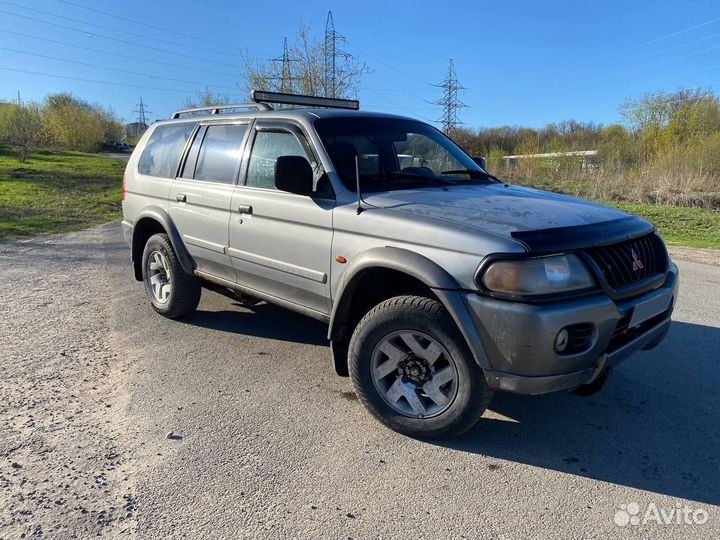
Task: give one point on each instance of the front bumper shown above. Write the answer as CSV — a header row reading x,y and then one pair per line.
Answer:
x,y
518,339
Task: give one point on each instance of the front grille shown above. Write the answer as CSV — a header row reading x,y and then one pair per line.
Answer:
x,y
631,261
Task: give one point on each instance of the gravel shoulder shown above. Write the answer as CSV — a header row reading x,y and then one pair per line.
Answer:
x,y
64,471
269,443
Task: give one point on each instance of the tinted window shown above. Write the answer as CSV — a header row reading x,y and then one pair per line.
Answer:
x,y
162,154
270,145
395,154
219,158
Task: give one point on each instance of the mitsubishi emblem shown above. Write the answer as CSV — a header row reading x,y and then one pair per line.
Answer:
x,y
637,263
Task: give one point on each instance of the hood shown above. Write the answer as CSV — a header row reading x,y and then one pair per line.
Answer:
x,y
496,208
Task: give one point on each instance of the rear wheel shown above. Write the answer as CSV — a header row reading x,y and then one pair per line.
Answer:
x,y
413,370
172,292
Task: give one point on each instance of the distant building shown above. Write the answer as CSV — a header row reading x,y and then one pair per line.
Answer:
x,y
586,158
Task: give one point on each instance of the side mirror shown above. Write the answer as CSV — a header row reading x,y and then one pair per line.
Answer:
x,y
294,174
480,161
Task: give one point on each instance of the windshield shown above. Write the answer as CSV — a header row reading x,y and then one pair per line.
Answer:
x,y
395,154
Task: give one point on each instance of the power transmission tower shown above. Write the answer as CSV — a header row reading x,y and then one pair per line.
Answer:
x,y
332,53
142,111
450,101
286,73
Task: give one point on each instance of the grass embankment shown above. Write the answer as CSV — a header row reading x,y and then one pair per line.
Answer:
x,y
691,226
57,191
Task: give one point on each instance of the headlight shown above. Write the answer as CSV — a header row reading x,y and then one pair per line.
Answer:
x,y
539,276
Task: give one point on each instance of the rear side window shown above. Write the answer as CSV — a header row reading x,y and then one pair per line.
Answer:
x,y
163,151
270,145
219,158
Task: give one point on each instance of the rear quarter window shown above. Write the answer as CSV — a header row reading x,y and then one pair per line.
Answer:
x,y
163,151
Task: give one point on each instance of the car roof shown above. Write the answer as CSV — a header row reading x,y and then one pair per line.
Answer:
x,y
302,114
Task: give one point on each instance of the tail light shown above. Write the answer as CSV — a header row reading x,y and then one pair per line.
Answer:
x,y
123,188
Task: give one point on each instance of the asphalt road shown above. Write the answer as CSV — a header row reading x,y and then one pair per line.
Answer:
x,y
268,443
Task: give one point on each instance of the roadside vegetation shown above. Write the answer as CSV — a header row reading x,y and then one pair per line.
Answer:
x,y
55,191
61,121
663,163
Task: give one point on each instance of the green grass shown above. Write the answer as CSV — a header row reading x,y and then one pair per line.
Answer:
x,y
678,225
57,191
690,226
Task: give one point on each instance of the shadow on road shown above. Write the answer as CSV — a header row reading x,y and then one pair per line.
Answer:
x,y
266,321
655,430
653,427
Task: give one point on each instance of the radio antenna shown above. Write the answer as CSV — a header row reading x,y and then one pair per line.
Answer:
x,y
357,185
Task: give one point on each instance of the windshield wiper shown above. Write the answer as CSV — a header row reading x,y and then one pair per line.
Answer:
x,y
473,173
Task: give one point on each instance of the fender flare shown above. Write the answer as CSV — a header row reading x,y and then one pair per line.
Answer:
x,y
445,287
159,215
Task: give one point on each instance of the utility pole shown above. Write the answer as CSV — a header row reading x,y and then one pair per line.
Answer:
x,y
286,73
142,111
450,102
331,53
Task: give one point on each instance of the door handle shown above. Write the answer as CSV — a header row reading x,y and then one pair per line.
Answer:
x,y
181,197
243,209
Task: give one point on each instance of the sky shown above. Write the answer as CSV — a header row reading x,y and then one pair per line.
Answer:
x,y
520,63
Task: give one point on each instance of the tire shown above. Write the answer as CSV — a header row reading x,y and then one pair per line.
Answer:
x,y
160,267
390,334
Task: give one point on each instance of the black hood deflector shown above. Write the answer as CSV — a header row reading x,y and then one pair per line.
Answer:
x,y
558,239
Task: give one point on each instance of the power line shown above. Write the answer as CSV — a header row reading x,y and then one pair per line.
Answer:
x,y
658,51
450,101
95,34
120,31
396,106
116,69
406,74
119,55
95,81
135,21
695,53
673,34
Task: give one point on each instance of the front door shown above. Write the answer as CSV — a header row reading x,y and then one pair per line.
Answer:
x,y
280,242
200,199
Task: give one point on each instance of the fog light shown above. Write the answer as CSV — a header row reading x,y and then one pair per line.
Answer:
x,y
561,340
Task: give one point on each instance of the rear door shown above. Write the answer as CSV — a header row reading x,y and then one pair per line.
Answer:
x,y
280,243
200,198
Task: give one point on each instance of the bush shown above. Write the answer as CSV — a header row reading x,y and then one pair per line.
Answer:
x,y
21,126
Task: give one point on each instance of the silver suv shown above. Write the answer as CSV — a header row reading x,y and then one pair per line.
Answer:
x,y
440,284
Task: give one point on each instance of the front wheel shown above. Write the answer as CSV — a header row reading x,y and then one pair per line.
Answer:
x,y
413,370
172,292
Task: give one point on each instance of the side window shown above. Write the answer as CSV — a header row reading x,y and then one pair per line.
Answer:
x,y
270,145
219,158
162,153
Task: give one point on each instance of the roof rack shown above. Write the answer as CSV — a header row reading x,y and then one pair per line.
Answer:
x,y
262,96
216,109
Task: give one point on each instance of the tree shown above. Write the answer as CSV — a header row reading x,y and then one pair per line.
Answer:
x,y
21,125
303,70
74,124
616,148
206,98
650,116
